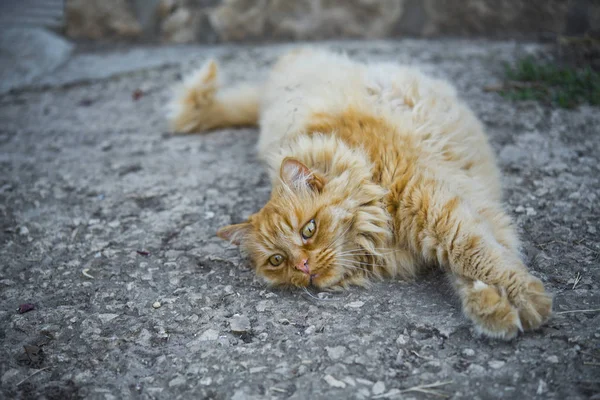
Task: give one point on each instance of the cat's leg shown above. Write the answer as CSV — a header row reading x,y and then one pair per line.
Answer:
x,y
502,227
200,104
497,291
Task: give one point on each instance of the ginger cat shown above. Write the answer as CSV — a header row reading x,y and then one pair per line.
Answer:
x,y
377,170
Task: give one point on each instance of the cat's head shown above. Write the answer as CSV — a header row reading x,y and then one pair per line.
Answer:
x,y
314,231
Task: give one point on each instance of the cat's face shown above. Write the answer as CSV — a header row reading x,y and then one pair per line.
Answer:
x,y
305,235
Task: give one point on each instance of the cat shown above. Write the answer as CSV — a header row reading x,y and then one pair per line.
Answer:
x,y
378,171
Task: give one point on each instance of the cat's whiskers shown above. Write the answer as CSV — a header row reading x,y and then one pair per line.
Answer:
x,y
339,237
356,252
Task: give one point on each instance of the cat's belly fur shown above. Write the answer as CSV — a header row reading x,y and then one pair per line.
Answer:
x,y
446,137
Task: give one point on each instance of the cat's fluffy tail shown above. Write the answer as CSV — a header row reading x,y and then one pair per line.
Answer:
x,y
199,104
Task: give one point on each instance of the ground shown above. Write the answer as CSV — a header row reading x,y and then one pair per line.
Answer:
x,y
108,227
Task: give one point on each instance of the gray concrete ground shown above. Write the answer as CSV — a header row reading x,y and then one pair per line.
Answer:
x,y
91,180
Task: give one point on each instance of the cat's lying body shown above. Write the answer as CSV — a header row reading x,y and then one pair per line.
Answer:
x,y
377,171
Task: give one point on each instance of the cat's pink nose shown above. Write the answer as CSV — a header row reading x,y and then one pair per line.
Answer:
x,y
303,266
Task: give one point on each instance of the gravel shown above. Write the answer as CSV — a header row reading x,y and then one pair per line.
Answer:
x,y
103,214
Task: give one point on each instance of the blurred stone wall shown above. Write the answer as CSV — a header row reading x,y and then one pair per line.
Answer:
x,y
210,21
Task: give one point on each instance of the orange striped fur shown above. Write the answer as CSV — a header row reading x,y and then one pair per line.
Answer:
x,y
377,171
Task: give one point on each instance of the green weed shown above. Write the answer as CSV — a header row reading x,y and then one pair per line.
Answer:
x,y
565,87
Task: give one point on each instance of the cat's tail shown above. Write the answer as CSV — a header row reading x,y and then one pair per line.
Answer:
x,y
200,104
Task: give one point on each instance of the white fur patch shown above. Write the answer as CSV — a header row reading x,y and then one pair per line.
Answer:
x,y
479,285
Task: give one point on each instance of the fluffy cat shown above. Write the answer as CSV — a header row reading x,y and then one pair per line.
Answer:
x,y
377,170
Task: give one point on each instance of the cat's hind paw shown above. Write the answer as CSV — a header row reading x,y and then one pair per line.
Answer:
x,y
491,311
191,108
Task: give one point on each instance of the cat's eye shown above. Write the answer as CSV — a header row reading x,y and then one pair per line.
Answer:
x,y
309,229
276,260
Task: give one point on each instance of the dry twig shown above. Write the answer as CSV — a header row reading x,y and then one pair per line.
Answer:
x,y
577,279
35,373
426,389
577,311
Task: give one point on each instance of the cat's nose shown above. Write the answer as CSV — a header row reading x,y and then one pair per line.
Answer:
x,y
303,266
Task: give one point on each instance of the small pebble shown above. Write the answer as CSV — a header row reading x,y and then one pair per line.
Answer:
x,y
402,340
468,352
206,381
23,231
310,330
552,359
356,304
178,381
542,387
336,352
156,304
334,382
209,334
495,364
400,357
378,388
239,324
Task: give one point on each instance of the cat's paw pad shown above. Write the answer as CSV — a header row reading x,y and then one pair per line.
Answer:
x,y
191,107
534,304
491,311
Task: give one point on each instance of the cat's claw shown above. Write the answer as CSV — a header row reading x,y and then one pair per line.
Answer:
x,y
497,316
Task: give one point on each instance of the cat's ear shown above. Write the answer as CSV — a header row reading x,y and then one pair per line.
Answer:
x,y
234,234
296,174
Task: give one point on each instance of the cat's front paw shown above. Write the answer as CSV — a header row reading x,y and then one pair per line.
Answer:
x,y
491,311
533,302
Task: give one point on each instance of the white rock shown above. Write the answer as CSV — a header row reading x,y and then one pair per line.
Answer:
x,y
355,304
335,353
23,231
310,330
364,381
206,381
144,337
239,323
350,381
496,364
178,381
400,357
209,334
552,359
468,352
156,304
239,395
378,388
107,317
334,382
542,387
476,369
402,340
262,305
